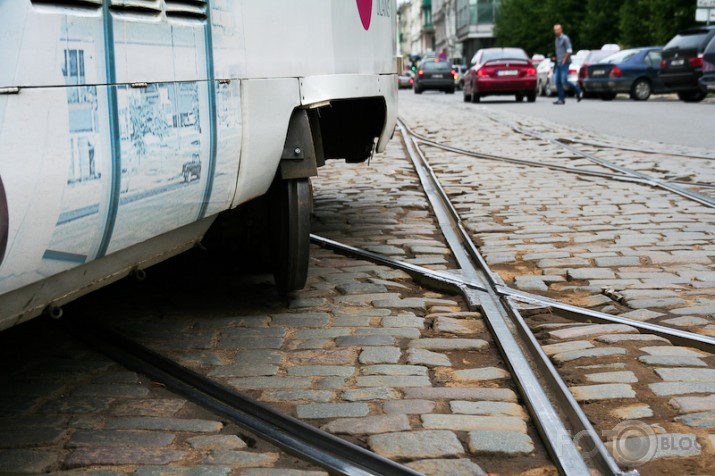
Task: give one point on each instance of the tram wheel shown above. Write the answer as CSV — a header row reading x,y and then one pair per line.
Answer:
x,y
291,202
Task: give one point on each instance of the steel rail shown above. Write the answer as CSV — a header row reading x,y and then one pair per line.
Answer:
x,y
571,170
676,336
529,163
419,273
292,435
570,311
634,149
655,182
516,342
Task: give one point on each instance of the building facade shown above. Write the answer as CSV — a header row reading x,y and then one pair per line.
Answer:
x,y
416,28
475,25
444,15
460,26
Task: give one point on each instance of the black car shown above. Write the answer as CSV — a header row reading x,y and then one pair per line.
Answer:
x,y
435,74
192,168
707,81
633,71
682,64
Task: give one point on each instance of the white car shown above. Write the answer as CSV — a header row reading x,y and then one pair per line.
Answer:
x,y
545,74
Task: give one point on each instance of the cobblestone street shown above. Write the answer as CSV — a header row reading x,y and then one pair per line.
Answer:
x,y
369,355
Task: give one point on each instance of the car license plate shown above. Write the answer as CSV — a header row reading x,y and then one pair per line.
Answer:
x,y
598,72
438,76
507,72
678,62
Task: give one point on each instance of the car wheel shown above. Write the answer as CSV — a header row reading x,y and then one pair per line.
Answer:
x,y
641,90
608,96
531,97
692,96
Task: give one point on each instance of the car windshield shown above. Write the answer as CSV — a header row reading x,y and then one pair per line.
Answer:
x,y
710,49
688,40
504,53
436,66
621,56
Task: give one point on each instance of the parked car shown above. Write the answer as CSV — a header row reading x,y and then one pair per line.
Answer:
x,y
633,71
593,57
682,65
459,70
707,81
574,67
544,74
192,168
434,74
500,71
536,59
406,79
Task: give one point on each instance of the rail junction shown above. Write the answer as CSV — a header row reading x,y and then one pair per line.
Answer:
x,y
543,312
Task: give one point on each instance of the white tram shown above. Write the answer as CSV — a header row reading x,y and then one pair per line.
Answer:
x,y
128,126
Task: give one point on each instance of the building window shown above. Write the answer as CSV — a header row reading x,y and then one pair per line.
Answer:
x,y
73,69
476,12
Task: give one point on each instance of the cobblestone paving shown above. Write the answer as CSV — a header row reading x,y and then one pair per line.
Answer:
x,y
362,353
623,248
366,354
638,383
380,208
68,410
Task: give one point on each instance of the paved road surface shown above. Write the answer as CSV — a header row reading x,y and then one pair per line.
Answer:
x,y
661,119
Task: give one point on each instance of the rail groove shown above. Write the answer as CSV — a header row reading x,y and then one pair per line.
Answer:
x,y
557,415
292,435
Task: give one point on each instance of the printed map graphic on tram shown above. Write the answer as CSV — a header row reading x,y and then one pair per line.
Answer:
x,y
158,132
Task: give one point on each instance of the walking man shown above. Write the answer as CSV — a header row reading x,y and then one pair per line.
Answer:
x,y
561,68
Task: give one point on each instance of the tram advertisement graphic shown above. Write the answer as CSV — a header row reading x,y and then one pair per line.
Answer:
x,y
365,9
3,221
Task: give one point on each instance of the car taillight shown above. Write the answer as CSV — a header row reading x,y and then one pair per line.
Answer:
x,y
616,72
531,71
412,81
696,62
663,64
482,73
583,72
420,73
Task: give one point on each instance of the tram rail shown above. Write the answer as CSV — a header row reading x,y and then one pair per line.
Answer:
x,y
311,444
650,180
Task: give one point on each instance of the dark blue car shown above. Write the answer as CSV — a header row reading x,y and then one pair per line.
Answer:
x,y
633,71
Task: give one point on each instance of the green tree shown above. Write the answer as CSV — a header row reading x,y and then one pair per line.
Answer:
x,y
670,16
521,23
635,24
600,24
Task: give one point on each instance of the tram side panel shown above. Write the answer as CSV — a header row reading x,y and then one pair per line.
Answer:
x,y
126,133
325,49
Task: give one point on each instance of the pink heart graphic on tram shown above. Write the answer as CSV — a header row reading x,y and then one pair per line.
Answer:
x,y
365,9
